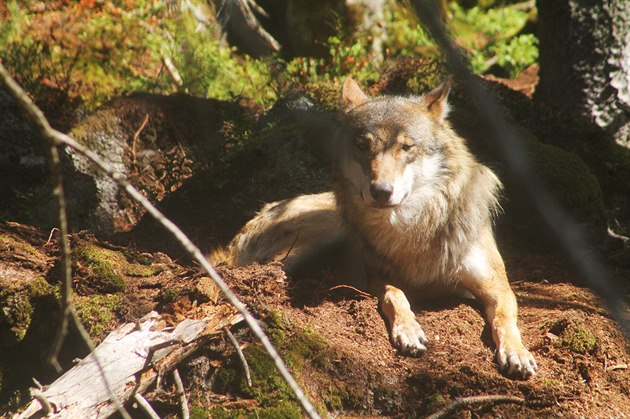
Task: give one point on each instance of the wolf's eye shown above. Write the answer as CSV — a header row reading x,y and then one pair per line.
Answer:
x,y
407,147
362,143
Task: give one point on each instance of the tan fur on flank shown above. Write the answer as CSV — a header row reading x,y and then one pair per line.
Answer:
x,y
415,205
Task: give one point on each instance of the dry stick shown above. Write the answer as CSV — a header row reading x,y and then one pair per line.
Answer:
x,y
470,401
136,136
50,236
67,307
144,404
60,138
182,394
350,287
240,355
39,395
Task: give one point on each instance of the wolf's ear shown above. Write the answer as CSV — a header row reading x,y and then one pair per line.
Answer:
x,y
436,102
351,94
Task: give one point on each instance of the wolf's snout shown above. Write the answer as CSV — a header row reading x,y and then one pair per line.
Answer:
x,y
381,192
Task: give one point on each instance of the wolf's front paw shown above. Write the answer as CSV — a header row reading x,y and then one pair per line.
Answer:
x,y
516,362
408,337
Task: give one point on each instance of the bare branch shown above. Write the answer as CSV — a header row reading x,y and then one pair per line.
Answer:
x,y
182,394
457,404
144,404
241,355
60,138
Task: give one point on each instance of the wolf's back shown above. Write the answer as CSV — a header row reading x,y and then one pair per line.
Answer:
x,y
288,231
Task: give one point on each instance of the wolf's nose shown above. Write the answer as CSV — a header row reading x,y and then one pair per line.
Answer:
x,y
381,192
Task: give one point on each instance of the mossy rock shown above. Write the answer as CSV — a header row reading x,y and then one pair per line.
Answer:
x,y
569,179
18,307
107,269
99,313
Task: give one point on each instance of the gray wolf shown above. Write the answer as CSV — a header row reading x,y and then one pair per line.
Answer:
x,y
417,209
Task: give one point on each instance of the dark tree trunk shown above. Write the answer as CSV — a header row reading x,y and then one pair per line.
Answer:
x,y
585,60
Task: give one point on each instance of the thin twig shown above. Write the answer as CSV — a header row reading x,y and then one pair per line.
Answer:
x,y
144,404
50,236
297,236
241,355
182,394
136,136
60,138
66,281
474,400
358,291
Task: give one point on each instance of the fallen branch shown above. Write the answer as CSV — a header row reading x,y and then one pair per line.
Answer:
x,y
129,361
61,139
474,400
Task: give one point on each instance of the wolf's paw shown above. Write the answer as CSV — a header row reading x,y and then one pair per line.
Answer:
x,y
516,362
408,337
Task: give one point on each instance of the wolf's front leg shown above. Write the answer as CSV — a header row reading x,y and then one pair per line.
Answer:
x,y
483,274
404,330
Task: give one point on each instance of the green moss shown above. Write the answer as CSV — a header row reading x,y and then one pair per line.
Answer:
x,y
435,402
569,179
17,308
98,312
550,383
138,270
300,348
169,295
106,266
282,410
577,338
17,247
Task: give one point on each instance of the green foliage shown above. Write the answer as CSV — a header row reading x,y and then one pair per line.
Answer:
x,y
405,36
209,69
516,54
493,36
85,51
89,51
346,58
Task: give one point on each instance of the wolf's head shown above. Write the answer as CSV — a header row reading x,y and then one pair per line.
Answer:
x,y
392,147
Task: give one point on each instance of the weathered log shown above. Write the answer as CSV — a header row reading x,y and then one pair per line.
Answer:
x,y
131,357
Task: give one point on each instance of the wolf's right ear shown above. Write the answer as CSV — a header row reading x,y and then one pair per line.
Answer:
x,y
351,94
436,102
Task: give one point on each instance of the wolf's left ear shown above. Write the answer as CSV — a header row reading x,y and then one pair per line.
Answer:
x,y
436,102
351,94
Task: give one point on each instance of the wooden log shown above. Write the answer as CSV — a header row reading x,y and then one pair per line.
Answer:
x,y
131,357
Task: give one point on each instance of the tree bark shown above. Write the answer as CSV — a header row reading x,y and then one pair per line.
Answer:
x,y
585,60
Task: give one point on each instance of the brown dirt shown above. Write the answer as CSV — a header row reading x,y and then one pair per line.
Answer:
x,y
459,362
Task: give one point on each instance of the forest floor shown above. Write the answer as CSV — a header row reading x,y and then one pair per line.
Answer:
x,y
347,364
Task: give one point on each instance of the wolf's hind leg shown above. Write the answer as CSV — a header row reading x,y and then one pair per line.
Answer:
x,y
404,330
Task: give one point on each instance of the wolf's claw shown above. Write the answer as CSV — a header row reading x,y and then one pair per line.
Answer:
x,y
516,362
409,338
